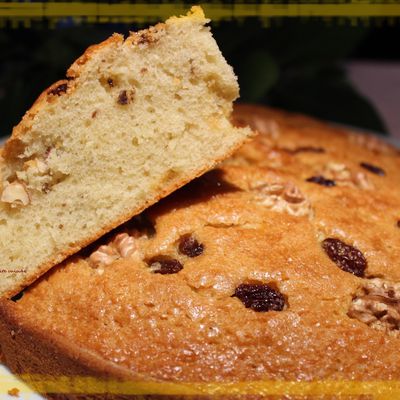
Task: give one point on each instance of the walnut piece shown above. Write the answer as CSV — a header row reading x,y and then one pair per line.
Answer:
x,y
15,193
104,255
283,197
125,244
371,143
378,306
269,127
122,246
343,176
292,194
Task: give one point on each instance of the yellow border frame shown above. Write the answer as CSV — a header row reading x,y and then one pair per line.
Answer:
x,y
382,390
215,11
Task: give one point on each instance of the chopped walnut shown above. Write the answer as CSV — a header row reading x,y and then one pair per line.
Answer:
x,y
283,198
337,172
15,194
270,127
122,246
292,194
343,176
371,143
104,255
361,180
378,305
125,244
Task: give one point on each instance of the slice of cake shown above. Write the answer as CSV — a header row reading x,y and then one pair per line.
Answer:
x,y
134,120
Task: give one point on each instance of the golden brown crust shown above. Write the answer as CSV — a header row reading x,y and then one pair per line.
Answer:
x,y
259,221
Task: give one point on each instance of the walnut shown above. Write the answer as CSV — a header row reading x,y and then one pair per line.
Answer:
x,y
282,197
361,180
337,172
292,194
16,194
125,244
122,246
269,127
378,306
343,176
371,143
104,255
273,188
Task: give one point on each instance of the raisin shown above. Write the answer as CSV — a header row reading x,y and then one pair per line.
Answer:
x,y
123,98
190,247
308,149
57,91
110,82
373,168
320,180
398,223
346,257
164,265
260,297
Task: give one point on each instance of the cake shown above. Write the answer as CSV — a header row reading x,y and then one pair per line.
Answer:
x,y
278,265
135,119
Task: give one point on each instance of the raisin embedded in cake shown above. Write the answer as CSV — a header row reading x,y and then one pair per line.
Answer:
x,y
346,257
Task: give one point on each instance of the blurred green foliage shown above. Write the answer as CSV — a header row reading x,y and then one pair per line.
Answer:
x,y
298,66
295,65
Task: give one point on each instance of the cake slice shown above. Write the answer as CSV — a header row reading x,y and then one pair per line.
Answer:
x,y
134,120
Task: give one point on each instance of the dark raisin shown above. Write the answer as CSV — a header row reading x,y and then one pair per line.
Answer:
x,y
123,98
320,180
398,223
308,149
164,265
373,168
190,247
57,91
346,257
110,82
260,297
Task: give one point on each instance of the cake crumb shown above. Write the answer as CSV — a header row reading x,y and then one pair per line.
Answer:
x,y
14,392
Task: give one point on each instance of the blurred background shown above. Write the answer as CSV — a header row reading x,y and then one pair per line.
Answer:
x,y
342,70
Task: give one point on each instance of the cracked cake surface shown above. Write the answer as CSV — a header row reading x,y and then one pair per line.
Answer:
x,y
250,272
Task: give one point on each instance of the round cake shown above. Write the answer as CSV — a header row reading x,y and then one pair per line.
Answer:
x,y
281,265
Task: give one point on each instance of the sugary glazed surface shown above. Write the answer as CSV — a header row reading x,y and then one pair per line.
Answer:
x,y
281,264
